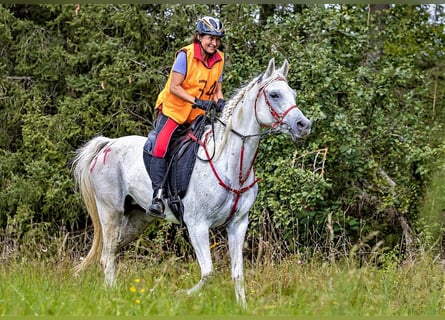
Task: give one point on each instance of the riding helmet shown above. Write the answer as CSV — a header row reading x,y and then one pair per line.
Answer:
x,y
210,25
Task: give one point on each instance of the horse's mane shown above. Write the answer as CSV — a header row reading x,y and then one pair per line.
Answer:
x,y
236,98
227,113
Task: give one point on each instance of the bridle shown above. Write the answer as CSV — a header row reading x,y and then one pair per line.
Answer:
x,y
278,117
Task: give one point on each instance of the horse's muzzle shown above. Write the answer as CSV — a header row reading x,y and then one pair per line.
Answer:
x,y
300,128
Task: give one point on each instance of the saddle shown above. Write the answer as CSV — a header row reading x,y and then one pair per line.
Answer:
x,y
181,160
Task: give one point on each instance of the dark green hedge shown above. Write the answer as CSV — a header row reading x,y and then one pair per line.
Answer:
x,y
371,81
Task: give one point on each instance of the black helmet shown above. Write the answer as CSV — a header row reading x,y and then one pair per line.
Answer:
x,y
210,25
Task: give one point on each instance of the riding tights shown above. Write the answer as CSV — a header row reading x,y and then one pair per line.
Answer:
x,y
165,129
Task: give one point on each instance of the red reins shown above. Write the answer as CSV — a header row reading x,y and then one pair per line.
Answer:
x,y
241,179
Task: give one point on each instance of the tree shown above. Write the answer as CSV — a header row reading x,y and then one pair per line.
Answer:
x,y
376,12
370,78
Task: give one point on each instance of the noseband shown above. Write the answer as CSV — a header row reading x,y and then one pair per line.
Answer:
x,y
278,117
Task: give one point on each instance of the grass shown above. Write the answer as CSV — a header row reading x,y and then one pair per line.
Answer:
x,y
289,288
432,209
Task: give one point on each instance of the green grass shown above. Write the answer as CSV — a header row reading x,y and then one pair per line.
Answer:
x,y
432,210
290,288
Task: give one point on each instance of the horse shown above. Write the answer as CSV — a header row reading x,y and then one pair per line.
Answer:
x,y
116,190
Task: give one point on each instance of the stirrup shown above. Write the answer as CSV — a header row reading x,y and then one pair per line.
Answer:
x,y
156,209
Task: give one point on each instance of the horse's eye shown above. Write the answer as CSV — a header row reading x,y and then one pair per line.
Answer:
x,y
274,95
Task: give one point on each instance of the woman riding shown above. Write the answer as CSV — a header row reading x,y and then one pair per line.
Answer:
x,y
194,85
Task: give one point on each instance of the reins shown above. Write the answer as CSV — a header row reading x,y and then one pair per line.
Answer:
x,y
241,179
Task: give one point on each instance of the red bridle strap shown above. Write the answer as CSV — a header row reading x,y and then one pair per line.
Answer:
x,y
276,115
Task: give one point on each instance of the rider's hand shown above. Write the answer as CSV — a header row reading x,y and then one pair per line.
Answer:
x,y
203,104
220,105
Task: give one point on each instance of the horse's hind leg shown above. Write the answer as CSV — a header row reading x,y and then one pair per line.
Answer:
x,y
110,221
199,237
236,232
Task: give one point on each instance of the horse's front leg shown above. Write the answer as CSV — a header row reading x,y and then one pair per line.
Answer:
x,y
236,232
199,237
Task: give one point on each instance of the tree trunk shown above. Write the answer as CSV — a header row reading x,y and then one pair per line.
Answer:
x,y
376,25
266,11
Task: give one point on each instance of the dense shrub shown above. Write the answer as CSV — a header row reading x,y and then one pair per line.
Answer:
x,y
371,82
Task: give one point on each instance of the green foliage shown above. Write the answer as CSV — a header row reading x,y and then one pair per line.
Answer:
x,y
373,89
374,118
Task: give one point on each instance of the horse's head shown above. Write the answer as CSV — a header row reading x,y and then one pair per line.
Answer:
x,y
275,104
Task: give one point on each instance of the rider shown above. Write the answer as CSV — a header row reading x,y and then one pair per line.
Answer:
x,y
194,85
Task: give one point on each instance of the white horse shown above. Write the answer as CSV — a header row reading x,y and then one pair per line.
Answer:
x,y
116,188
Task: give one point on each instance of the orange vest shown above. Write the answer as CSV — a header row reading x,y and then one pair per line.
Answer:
x,y
200,81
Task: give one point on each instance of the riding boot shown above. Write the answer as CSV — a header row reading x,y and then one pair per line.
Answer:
x,y
158,170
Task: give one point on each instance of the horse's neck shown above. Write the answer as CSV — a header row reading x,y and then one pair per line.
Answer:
x,y
235,148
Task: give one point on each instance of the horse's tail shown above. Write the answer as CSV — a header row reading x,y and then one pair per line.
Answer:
x,y
81,172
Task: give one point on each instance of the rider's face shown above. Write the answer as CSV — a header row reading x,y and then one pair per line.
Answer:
x,y
210,43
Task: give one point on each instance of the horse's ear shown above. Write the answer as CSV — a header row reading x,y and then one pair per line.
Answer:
x,y
284,68
270,69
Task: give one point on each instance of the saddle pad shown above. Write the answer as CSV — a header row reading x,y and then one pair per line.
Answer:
x,y
182,168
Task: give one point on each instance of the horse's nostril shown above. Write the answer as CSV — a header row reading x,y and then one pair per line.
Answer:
x,y
302,124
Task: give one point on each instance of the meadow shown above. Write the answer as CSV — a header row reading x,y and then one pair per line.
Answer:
x,y
292,287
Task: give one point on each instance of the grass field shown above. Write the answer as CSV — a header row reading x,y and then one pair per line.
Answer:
x,y
290,288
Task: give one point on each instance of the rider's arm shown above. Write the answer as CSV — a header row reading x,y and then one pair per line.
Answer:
x,y
178,90
178,77
218,94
